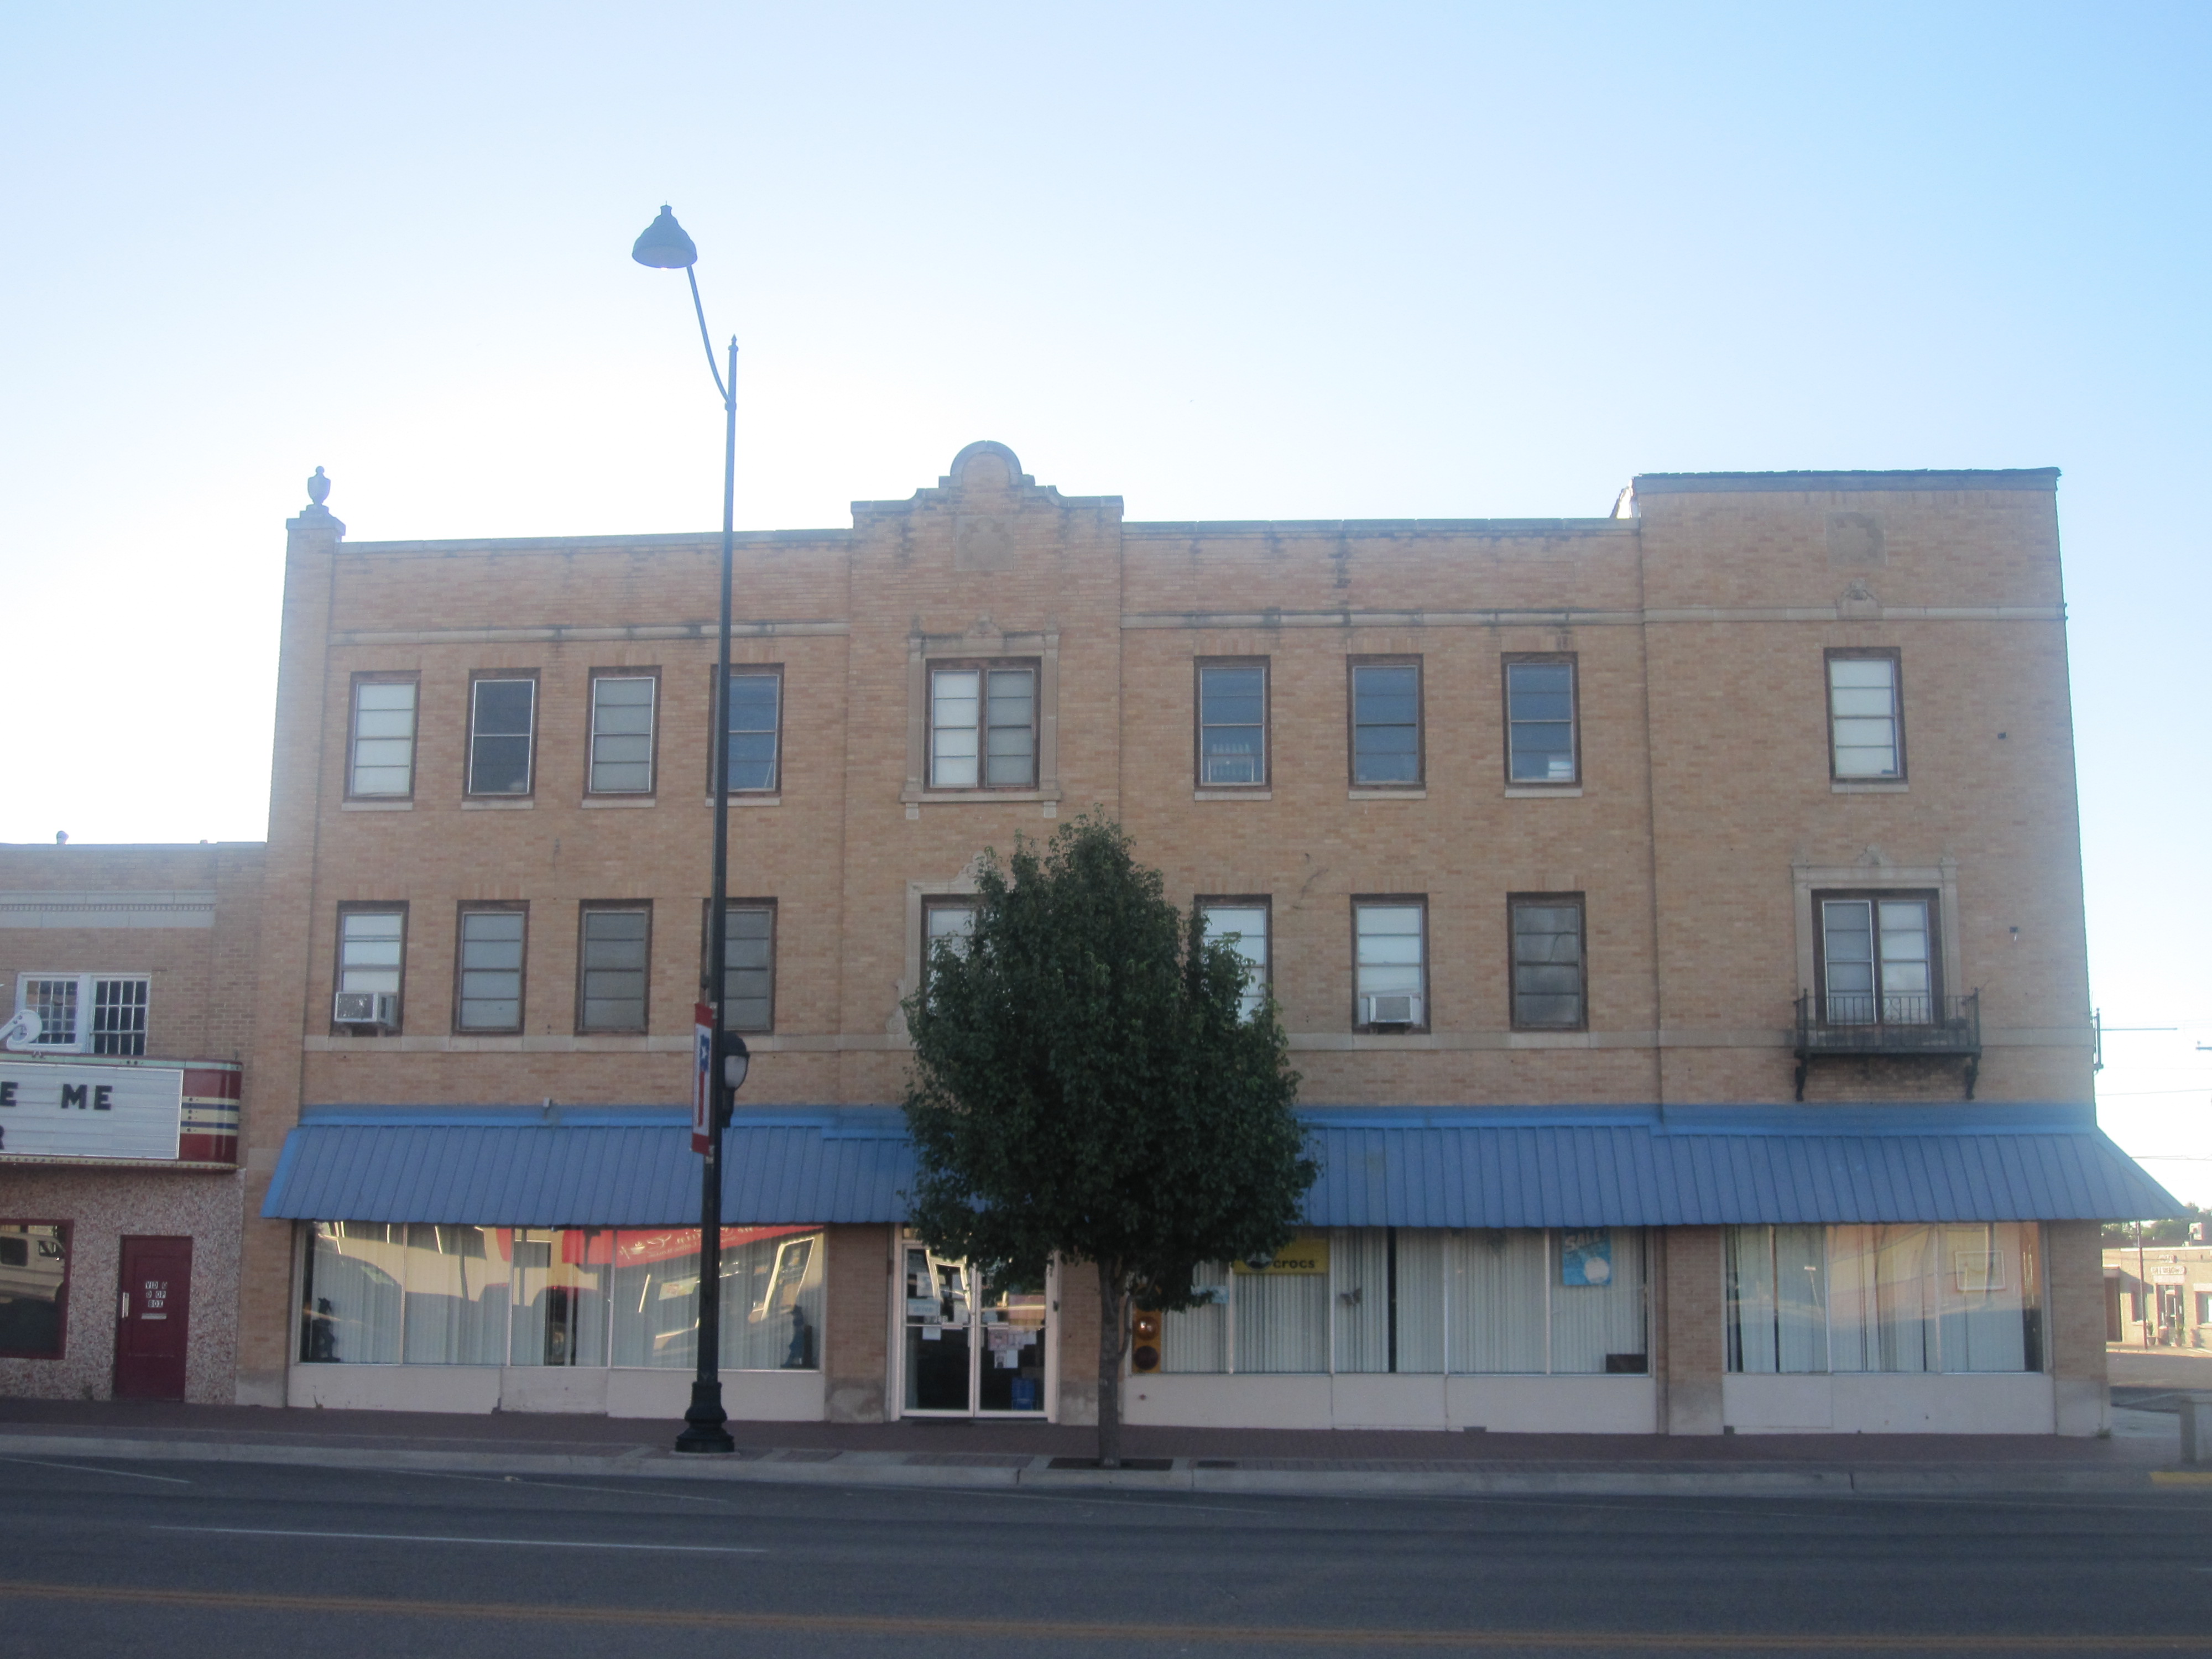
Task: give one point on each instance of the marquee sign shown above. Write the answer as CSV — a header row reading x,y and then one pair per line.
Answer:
x,y
185,1112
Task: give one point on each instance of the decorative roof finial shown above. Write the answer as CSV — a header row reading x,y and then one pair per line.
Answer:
x,y
318,487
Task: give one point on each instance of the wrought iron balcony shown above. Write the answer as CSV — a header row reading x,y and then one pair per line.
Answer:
x,y
1856,1025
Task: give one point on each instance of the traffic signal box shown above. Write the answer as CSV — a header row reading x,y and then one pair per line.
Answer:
x,y
1145,1349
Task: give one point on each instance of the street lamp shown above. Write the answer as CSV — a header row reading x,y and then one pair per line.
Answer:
x,y
664,246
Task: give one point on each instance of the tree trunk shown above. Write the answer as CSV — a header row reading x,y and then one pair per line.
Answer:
x,y
1113,1330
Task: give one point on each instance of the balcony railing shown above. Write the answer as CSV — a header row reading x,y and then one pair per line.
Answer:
x,y
1859,1024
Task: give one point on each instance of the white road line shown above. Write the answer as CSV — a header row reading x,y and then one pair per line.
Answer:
x,y
86,1468
565,1485
427,1538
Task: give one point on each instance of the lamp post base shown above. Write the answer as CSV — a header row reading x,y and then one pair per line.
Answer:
x,y
703,1424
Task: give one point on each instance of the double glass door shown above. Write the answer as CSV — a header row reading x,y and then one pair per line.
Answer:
x,y
971,1348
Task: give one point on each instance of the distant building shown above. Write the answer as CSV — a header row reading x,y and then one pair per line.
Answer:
x,y
132,973
2159,1295
1676,917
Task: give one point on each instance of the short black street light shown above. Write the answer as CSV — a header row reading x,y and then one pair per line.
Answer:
x,y
664,246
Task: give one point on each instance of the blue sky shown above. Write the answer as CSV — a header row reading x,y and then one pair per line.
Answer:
x,y
1225,261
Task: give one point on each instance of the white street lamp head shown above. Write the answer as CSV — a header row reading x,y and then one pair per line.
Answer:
x,y
663,246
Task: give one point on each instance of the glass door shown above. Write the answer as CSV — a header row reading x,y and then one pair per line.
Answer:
x,y
970,1348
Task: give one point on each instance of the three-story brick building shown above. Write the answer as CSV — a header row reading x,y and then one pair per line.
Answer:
x,y
1676,917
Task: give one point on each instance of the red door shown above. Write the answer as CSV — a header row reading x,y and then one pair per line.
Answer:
x,y
153,1318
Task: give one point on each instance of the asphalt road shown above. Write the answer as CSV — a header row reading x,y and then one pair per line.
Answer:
x,y
242,1561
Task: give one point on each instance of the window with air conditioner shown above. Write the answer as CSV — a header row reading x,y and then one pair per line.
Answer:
x,y
372,958
1390,963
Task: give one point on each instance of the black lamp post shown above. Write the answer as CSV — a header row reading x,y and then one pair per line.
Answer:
x,y
664,246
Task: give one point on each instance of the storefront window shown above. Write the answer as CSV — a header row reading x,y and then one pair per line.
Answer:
x,y
391,1294
33,1284
1422,1300
1912,1298
1281,1308
1597,1300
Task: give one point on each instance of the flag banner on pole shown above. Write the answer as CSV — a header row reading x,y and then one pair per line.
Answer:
x,y
702,1082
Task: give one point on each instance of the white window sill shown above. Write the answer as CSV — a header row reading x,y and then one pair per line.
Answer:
x,y
737,800
975,797
1232,794
376,806
591,802
1870,788
1544,791
1374,793
493,804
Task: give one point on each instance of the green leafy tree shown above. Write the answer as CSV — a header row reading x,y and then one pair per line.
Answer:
x,y
1085,1087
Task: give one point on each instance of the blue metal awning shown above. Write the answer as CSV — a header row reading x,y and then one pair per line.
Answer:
x,y
1483,1166
586,1166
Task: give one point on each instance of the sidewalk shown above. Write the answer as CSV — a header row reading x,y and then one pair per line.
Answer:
x,y
913,1453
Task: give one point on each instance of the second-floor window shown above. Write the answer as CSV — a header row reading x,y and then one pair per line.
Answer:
x,y
755,731
613,945
1241,923
382,760
1232,724
982,726
489,997
1539,720
86,1014
1390,962
1866,720
1548,976
1878,958
372,951
1386,722
621,734
503,724
748,977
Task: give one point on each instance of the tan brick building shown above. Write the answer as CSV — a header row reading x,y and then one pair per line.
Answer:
x,y
1676,916
131,970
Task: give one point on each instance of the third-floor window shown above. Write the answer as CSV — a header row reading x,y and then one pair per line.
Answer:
x,y
755,731
502,726
1866,722
1386,721
1233,724
1539,720
982,726
621,734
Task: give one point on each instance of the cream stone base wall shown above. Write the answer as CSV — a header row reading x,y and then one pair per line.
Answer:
x,y
2024,1403
1522,1404
102,1208
748,1396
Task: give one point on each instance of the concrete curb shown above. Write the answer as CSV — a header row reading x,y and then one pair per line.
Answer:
x,y
897,1469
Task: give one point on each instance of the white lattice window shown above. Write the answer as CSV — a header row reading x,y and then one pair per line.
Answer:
x,y
86,1013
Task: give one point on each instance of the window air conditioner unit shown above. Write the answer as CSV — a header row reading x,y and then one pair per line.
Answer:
x,y
1401,1008
377,1008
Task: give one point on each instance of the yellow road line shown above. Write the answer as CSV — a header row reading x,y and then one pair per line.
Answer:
x,y
1061,1630
2181,1477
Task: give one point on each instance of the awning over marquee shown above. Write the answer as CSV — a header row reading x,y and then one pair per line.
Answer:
x,y
1477,1166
